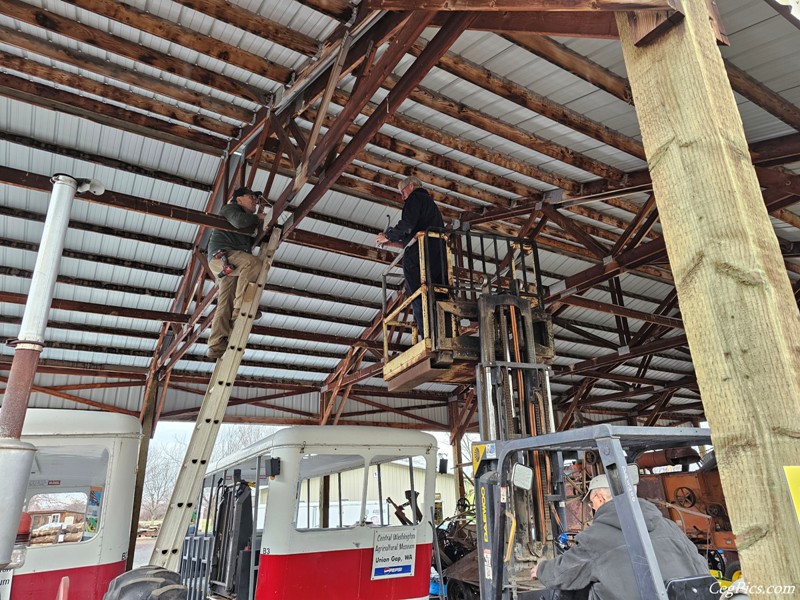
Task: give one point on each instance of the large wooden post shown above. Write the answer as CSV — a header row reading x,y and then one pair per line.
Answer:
x,y
736,302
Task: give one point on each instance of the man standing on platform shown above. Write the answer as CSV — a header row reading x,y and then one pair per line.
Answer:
x,y
419,213
231,259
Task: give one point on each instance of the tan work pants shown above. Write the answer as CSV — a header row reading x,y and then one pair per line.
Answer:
x,y
247,269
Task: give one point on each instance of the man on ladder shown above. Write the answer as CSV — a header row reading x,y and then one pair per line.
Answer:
x,y
231,260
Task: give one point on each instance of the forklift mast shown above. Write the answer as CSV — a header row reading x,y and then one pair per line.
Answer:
x,y
514,402
485,325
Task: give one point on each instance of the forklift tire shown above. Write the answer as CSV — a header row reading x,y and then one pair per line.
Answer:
x,y
147,583
460,590
734,571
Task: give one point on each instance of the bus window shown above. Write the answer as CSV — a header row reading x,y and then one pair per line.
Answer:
x,y
330,491
65,493
263,491
391,485
57,518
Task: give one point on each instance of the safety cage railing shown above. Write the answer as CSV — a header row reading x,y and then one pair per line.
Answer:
x,y
456,268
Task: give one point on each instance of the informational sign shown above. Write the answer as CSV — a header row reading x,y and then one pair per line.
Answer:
x,y
793,477
93,509
6,575
395,552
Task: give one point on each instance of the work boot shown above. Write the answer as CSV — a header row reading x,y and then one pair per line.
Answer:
x,y
217,350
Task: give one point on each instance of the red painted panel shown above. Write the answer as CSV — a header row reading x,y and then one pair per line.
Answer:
x,y
85,583
337,575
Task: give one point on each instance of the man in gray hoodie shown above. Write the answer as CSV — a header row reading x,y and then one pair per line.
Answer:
x,y
599,560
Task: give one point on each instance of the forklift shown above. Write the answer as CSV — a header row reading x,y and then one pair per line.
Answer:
x,y
486,325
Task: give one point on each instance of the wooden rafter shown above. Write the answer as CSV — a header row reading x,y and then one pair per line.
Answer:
x,y
590,6
41,18
39,94
227,12
599,25
103,68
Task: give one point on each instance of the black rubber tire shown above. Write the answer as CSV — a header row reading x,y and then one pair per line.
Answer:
x,y
147,583
732,569
460,590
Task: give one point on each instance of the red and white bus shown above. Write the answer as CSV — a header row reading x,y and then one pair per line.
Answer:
x,y
79,499
341,513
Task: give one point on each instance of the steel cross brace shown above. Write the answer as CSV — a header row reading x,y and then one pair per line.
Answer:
x,y
355,355
433,51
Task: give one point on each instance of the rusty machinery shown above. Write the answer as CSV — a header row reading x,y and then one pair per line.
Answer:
x,y
694,500
689,493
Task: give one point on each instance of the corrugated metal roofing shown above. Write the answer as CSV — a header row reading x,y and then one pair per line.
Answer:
x,y
321,291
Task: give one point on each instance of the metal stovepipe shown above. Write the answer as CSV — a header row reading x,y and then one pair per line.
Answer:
x,y
16,456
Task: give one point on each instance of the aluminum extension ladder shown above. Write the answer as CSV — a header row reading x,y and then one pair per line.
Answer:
x,y
167,550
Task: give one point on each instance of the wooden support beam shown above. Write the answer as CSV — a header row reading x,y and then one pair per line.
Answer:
x,y
106,161
38,17
744,342
114,116
590,71
89,307
522,96
591,6
762,96
115,94
621,311
50,49
178,34
596,25
431,159
462,112
572,62
232,14
124,201
336,9
96,258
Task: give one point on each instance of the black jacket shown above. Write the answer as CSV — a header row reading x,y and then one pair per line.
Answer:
x,y
601,558
419,213
239,218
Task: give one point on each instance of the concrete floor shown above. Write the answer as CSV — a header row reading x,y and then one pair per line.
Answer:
x,y
144,548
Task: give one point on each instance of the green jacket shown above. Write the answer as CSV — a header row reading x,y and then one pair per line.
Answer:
x,y
239,218
600,557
